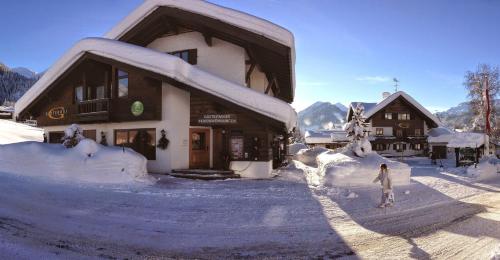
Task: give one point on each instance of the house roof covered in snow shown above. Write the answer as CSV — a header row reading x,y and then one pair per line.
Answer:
x,y
439,135
325,136
166,65
470,140
372,108
271,45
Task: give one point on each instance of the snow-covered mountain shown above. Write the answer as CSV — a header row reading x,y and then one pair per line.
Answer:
x,y
461,116
322,115
27,73
15,82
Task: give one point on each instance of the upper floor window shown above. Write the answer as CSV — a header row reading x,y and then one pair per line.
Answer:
x,y
122,83
379,131
388,116
189,56
418,132
404,116
78,93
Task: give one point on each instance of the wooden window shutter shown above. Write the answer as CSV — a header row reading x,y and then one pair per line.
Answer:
x,y
193,56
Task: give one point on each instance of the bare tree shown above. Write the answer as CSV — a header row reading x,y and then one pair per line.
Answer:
x,y
483,86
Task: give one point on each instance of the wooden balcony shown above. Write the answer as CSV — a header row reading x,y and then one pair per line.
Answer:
x,y
93,110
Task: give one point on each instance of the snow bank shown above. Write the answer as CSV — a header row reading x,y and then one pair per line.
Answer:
x,y
488,168
86,162
308,156
346,169
296,147
12,132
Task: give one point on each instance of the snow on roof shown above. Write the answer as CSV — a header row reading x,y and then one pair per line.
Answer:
x,y
224,14
370,112
471,140
325,136
440,135
167,65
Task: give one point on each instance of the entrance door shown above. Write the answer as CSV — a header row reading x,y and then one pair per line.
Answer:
x,y
199,148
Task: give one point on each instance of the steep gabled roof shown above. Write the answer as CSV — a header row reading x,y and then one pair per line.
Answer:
x,y
372,108
166,65
271,46
227,15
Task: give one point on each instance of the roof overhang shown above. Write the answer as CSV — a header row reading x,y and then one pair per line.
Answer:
x,y
162,64
271,45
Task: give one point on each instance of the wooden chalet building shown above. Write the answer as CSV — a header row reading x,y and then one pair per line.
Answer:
x,y
398,125
216,81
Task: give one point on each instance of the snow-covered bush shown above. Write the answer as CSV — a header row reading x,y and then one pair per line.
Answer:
x,y
346,169
487,168
86,162
356,131
72,136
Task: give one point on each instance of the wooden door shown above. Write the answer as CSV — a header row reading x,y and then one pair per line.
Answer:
x,y
199,148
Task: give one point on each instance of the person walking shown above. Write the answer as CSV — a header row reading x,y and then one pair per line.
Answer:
x,y
385,179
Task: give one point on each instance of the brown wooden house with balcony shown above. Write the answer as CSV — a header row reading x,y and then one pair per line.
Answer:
x,y
216,81
399,125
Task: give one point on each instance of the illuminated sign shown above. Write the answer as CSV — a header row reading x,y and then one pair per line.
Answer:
x,y
404,125
56,113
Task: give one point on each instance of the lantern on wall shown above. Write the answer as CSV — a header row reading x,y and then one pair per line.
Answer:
x,y
163,142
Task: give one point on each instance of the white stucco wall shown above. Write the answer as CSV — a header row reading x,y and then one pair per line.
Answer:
x,y
223,59
175,121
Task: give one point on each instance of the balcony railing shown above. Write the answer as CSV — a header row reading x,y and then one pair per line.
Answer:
x,y
93,106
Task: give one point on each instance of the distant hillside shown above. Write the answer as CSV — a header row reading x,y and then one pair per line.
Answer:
x,y
321,115
13,84
460,117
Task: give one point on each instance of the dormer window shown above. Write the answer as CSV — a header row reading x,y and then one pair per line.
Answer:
x,y
189,56
404,116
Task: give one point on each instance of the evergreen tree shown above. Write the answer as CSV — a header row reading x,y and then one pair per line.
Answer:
x,y
357,132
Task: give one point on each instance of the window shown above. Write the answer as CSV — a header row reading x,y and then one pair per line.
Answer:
x,y
78,94
198,141
189,56
237,147
380,147
417,147
404,146
399,133
396,147
418,132
404,116
388,116
122,83
379,131
142,141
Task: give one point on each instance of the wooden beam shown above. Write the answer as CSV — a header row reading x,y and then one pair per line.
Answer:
x,y
170,24
249,74
208,39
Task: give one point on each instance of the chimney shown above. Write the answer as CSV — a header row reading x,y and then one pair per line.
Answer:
x,y
385,95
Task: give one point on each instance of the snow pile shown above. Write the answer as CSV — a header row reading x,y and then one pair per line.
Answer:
x,y
488,168
86,162
72,136
295,148
346,169
12,132
309,156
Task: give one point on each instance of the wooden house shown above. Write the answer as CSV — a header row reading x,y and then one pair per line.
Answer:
x,y
217,82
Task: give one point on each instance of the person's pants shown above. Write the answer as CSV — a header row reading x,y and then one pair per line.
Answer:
x,y
387,198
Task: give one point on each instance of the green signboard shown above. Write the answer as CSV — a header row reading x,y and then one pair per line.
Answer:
x,y
137,108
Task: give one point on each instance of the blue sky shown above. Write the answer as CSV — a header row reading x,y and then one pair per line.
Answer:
x,y
346,50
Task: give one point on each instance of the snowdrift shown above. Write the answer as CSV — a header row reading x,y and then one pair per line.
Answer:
x,y
346,169
488,168
309,156
295,148
12,132
86,162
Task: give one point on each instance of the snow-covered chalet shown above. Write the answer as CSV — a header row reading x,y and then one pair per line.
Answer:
x,y
399,126
215,82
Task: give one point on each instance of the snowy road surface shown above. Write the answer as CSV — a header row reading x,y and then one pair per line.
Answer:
x,y
443,216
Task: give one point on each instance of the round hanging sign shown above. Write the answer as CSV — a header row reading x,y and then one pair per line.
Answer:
x,y
137,108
